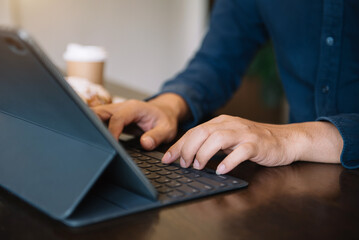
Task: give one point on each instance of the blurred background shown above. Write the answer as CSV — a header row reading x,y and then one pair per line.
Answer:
x,y
147,42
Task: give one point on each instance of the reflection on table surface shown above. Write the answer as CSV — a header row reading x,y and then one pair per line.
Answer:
x,y
297,201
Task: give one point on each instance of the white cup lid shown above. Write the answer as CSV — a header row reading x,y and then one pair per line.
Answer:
x,y
81,53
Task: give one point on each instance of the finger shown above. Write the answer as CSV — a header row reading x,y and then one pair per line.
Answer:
x,y
219,140
242,153
188,145
194,140
102,113
157,135
221,119
106,111
174,152
124,116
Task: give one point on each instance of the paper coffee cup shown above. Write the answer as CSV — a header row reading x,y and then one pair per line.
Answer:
x,y
85,62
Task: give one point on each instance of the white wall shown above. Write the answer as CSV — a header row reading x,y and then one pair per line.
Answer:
x,y
6,13
148,40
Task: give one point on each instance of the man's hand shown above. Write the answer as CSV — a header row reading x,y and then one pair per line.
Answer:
x,y
266,144
158,118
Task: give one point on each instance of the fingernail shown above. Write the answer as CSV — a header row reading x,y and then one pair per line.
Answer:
x,y
148,141
182,162
220,169
196,164
167,157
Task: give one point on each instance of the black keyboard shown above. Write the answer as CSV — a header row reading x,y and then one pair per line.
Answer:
x,y
173,182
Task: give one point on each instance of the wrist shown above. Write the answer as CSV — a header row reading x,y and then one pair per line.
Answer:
x,y
173,103
302,141
317,142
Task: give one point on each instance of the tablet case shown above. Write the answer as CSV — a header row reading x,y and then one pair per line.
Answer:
x,y
47,158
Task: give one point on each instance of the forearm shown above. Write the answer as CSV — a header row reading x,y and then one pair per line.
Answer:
x,y
316,142
235,33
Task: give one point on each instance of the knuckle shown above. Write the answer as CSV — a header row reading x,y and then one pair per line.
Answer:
x,y
188,133
185,155
132,102
219,136
246,127
170,126
96,108
116,118
223,117
175,149
172,148
201,157
201,130
164,126
268,132
254,137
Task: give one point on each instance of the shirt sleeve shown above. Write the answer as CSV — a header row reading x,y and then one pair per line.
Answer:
x,y
235,33
348,126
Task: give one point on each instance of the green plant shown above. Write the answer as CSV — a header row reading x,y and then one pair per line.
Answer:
x,y
264,68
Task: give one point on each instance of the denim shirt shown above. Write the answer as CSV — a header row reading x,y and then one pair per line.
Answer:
x,y
316,45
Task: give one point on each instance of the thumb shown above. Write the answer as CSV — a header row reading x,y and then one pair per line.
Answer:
x,y
154,137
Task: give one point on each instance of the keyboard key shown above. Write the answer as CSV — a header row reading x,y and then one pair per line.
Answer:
x,y
138,162
200,186
135,155
154,169
153,154
156,185
143,158
162,180
175,194
234,182
145,165
174,176
206,180
164,189
144,171
154,161
188,190
219,177
164,172
172,168
173,184
152,176
185,180
161,165
182,171
193,175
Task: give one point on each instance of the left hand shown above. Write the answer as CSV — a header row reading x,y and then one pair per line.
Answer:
x,y
241,139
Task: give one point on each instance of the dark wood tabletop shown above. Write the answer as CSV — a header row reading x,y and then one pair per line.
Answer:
x,y
300,201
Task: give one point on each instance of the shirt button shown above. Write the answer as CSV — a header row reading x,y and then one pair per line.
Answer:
x,y
330,41
325,89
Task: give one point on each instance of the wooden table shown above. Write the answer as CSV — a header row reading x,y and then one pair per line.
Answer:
x,y
300,201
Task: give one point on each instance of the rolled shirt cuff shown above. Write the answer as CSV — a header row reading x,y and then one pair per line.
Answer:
x,y
348,127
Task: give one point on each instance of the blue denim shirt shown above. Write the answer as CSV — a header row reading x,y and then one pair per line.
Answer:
x,y
316,44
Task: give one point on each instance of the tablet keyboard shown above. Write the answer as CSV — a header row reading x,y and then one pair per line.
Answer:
x,y
173,182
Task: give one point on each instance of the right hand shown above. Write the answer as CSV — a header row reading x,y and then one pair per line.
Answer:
x,y
158,118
